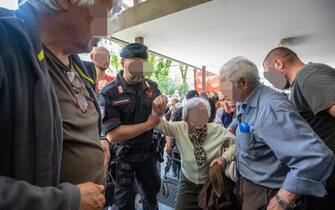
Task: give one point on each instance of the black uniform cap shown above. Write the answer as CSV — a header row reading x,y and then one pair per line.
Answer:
x,y
134,50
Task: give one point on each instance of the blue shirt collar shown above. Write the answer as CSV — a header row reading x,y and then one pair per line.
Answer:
x,y
253,98
250,102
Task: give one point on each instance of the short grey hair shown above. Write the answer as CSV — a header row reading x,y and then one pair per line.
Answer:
x,y
192,103
52,6
239,67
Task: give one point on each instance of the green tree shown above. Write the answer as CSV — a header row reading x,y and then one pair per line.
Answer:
x,y
183,87
116,62
161,74
183,72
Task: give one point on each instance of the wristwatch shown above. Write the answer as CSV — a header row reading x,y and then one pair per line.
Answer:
x,y
283,204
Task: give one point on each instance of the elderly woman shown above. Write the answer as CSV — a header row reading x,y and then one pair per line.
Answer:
x,y
199,143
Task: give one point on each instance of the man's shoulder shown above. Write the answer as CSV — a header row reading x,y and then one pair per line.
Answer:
x,y
312,72
151,83
6,12
89,65
267,93
7,18
274,100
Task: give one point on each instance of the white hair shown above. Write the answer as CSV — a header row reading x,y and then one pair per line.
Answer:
x,y
52,6
239,67
192,103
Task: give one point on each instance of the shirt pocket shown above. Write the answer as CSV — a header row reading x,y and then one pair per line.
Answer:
x,y
247,145
245,141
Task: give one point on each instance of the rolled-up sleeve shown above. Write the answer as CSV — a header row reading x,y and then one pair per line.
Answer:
x,y
110,115
309,160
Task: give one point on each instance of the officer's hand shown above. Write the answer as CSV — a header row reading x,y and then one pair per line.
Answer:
x,y
159,104
107,154
153,121
91,196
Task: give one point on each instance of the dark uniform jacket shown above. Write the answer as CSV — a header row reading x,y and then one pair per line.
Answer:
x,y
124,104
30,121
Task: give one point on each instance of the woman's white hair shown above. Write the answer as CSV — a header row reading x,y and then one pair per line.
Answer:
x,y
52,6
192,103
239,67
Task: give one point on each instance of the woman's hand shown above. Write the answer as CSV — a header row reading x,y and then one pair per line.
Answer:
x,y
159,104
220,161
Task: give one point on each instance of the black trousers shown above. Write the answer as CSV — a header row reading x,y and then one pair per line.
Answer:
x,y
187,194
147,183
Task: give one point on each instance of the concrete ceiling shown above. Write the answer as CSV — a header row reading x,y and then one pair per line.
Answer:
x,y
216,31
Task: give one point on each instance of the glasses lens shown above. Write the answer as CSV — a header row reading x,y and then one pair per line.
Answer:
x,y
82,102
73,79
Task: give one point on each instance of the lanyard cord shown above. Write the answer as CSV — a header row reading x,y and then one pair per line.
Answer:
x,y
83,75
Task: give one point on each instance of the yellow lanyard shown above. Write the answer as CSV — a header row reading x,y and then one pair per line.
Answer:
x,y
83,75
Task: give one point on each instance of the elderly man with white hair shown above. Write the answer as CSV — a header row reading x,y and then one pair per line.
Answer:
x,y
279,157
199,143
46,101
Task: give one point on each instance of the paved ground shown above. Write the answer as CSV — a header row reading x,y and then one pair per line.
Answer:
x,y
165,203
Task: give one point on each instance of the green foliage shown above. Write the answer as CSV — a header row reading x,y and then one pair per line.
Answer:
x,y
183,88
167,86
116,62
161,67
161,76
183,72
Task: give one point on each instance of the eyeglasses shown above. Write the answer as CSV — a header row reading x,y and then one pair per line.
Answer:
x,y
81,100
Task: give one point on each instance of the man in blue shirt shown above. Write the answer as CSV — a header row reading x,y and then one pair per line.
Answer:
x,y
312,93
279,156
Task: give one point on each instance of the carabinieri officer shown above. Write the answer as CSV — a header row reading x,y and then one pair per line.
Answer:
x,y
126,104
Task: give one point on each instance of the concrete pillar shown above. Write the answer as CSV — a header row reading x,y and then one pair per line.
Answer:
x,y
195,78
203,74
139,40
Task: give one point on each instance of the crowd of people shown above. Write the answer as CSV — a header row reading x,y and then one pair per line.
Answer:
x,y
72,138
